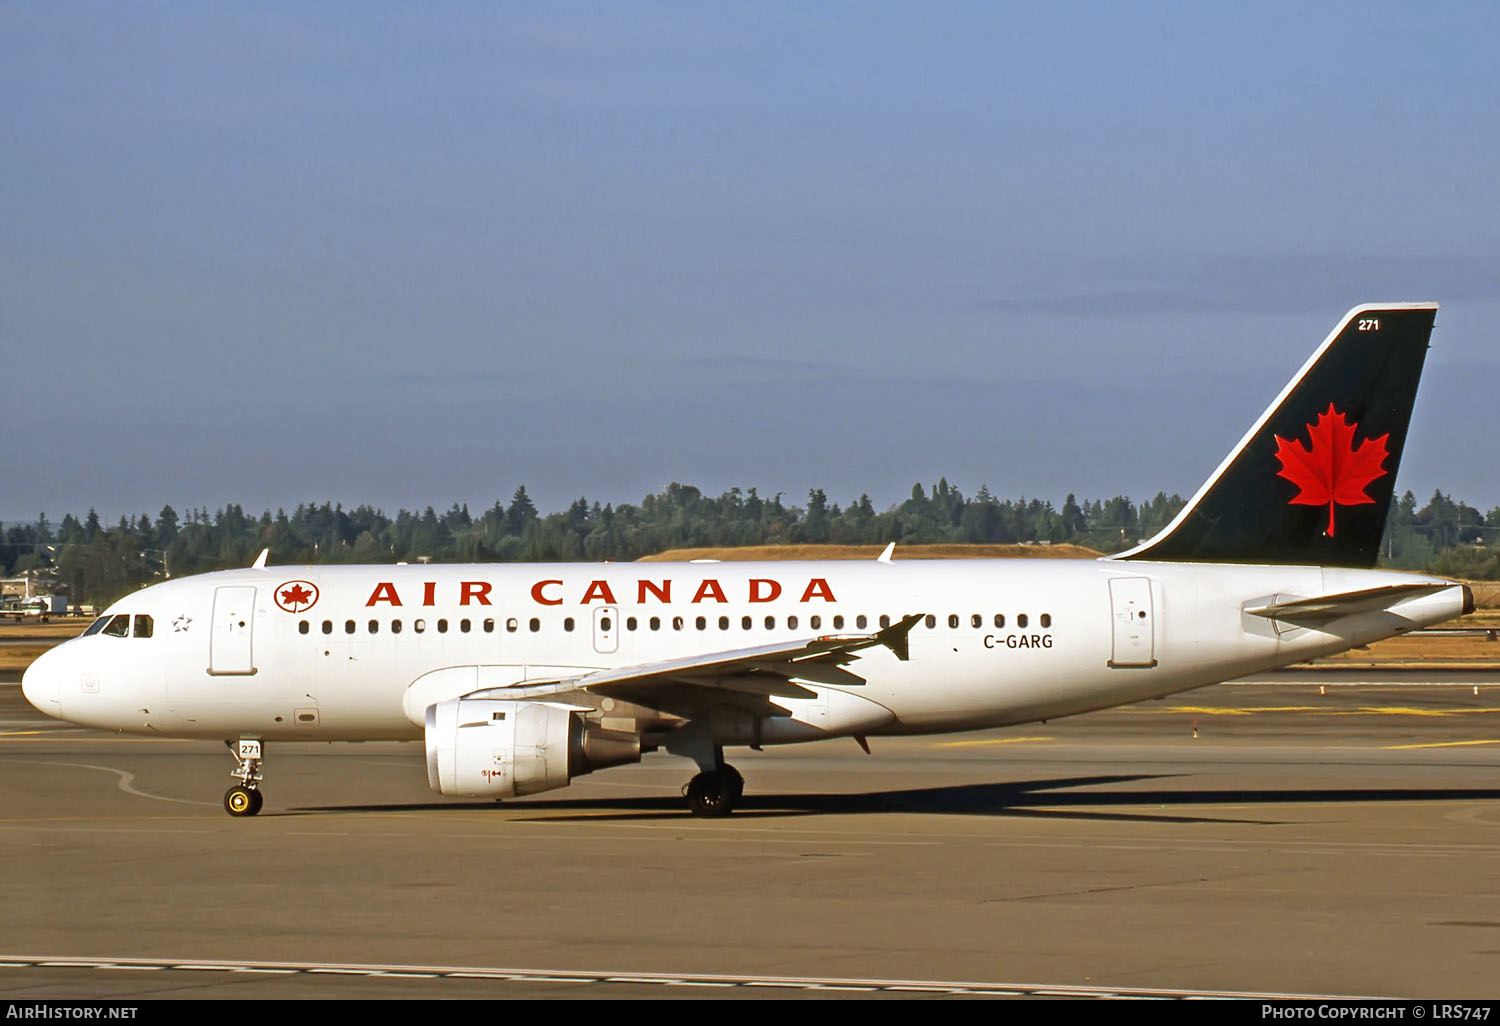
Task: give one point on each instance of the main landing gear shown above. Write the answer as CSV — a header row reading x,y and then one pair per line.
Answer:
x,y
715,792
244,798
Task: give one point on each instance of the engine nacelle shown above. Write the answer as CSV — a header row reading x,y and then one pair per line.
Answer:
x,y
489,748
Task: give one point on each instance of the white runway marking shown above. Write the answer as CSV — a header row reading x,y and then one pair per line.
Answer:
x,y
696,980
126,781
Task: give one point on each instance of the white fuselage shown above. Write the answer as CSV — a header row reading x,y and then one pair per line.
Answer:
x,y
1007,641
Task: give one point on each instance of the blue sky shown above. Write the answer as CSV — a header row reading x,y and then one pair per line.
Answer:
x,y
412,254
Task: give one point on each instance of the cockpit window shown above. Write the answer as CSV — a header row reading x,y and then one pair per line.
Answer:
x,y
119,626
96,626
142,625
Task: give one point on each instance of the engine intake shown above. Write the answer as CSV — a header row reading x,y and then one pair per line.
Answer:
x,y
482,747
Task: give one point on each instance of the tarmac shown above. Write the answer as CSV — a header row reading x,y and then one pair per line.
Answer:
x,y
1334,836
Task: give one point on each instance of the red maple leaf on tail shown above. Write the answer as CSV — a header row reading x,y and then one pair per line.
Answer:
x,y
1332,469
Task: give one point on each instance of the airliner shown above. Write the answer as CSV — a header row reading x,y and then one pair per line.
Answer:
x,y
518,678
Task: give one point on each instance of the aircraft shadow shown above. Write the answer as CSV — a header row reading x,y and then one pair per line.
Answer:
x,y
1035,798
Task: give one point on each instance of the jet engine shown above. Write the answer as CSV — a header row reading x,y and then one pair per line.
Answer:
x,y
489,748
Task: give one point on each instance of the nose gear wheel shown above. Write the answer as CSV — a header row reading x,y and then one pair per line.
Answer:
x,y
241,801
244,798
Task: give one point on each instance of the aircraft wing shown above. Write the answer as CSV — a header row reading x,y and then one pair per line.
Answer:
x,y
1311,612
749,676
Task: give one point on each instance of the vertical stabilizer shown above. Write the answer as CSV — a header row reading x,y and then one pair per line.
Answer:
x,y
1311,482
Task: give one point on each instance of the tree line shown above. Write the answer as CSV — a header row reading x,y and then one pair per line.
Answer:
x,y
95,564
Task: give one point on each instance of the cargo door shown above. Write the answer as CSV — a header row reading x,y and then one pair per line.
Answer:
x,y
1134,622
229,649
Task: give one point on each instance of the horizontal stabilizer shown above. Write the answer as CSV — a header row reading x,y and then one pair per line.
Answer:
x,y
1311,612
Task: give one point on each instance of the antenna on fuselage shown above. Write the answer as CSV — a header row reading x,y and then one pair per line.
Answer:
x,y
260,560
885,557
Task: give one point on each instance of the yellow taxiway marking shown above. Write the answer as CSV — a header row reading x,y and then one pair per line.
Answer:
x,y
1441,744
1212,710
1401,710
989,741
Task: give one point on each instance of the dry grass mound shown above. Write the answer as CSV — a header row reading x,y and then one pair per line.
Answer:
x,y
26,640
1486,594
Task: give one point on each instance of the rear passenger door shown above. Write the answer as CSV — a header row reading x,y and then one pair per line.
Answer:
x,y
1134,640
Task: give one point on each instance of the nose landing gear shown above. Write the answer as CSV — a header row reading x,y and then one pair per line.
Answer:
x,y
244,798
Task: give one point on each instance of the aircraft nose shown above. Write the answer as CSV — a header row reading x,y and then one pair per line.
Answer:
x,y
40,685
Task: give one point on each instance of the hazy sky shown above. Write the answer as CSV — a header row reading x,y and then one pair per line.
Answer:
x,y
422,253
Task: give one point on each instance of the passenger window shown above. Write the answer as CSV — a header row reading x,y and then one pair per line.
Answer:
x,y
512,624
568,624
348,626
630,623
605,623
701,623
143,626
746,623
952,620
535,625
677,623
395,626
976,620
770,623
442,626
119,627
1021,620
489,626
838,622
327,626
419,626
885,621
999,619
656,623
463,626
931,621
861,621
374,626
723,623
303,627
1046,619
791,623
815,622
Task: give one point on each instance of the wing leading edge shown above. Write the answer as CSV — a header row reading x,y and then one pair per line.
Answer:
x,y
767,671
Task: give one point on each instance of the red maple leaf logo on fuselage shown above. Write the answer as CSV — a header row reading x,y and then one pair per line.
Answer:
x,y
296,596
1331,469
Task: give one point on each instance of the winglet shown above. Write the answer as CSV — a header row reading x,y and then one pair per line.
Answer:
x,y
260,560
894,637
885,557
